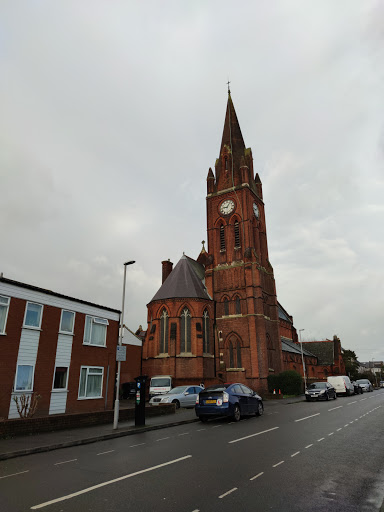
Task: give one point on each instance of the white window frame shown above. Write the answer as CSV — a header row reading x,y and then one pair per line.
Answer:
x,y
61,319
57,390
96,320
33,379
6,314
25,316
86,380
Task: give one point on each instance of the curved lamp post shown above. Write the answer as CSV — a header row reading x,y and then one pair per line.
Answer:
x,y
117,402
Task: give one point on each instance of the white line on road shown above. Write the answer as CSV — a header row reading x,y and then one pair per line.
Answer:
x,y
14,474
331,434
89,489
228,492
312,416
309,445
196,510
252,435
347,425
334,408
184,434
278,464
217,426
351,422
321,439
362,399
65,462
103,453
161,439
200,429
339,429
133,445
349,403
294,454
257,476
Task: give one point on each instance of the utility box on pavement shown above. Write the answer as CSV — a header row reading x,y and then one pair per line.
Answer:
x,y
140,400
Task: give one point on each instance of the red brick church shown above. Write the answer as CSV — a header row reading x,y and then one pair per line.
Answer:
x,y
216,318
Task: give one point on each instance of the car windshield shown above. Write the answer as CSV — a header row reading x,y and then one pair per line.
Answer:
x,y
362,381
160,382
318,385
177,391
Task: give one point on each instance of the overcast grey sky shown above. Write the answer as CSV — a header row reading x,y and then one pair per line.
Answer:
x,y
112,112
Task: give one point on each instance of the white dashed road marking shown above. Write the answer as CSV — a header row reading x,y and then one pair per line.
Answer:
x,y
257,476
278,464
228,492
64,462
294,454
312,416
334,408
89,489
103,453
134,445
252,435
309,445
14,474
352,402
321,439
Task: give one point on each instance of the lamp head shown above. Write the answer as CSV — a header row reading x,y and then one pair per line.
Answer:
x,y
129,263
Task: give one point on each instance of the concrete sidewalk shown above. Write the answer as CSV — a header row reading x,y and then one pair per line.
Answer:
x,y
48,441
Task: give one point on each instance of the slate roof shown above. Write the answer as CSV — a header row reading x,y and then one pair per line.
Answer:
x,y
323,350
283,315
289,346
185,281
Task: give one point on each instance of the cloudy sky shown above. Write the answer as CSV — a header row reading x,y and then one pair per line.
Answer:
x,y
112,112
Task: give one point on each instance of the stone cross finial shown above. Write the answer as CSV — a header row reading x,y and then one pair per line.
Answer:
x,y
203,242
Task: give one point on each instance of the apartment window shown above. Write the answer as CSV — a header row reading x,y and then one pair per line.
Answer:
x,y
206,347
24,378
95,331
67,321
237,234
91,382
164,332
60,378
185,331
4,307
33,314
222,238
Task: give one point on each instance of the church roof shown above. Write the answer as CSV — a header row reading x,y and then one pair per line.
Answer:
x,y
283,315
323,350
185,281
232,136
288,345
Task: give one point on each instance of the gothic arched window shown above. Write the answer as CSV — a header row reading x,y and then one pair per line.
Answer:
x,y
222,238
238,355
271,352
206,347
164,332
238,306
226,306
234,352
185,331
231,358
237,234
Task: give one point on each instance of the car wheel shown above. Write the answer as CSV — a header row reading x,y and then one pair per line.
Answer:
x,y
236,413
203,419
260,409
335,396
177,403
307,399
326,397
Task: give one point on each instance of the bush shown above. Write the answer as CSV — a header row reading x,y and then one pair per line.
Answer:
x,y
289,382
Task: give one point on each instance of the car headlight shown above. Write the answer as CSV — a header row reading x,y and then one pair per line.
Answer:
x,y
307,392
322,392
166,399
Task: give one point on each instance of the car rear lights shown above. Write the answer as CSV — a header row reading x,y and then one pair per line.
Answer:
x,y
225,397
197,399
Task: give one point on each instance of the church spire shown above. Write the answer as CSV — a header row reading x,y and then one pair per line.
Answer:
x,y
232,137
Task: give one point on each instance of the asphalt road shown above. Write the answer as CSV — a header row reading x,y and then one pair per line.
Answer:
x,y
320,456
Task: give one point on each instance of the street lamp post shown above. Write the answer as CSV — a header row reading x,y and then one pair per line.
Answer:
x,y
302,359
117,402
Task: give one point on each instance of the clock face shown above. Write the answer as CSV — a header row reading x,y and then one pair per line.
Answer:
x,y
227,207
256,210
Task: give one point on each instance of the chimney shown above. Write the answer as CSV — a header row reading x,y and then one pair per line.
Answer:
x,y
167,268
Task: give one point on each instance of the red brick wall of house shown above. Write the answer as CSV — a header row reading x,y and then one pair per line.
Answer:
x,y
45,361
131,368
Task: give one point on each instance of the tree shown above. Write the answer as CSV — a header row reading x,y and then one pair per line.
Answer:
x,y
351,364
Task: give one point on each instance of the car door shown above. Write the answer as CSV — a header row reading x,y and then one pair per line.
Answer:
x,y
191,397
241,397
252,401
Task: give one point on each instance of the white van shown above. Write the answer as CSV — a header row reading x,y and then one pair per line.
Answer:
x,y
342,385
159,385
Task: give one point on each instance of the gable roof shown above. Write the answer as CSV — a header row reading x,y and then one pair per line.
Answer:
x,y
283,315
323,350
290,346
185,281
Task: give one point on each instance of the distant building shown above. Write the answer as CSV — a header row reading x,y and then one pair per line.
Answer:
x,y
59,347
329,356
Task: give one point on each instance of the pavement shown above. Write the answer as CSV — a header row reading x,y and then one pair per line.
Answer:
x,y
11,447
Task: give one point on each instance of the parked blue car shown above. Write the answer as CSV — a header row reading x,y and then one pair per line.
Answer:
x,y
233,400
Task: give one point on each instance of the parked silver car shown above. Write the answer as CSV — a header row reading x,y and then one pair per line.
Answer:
x,y
365,384
182,396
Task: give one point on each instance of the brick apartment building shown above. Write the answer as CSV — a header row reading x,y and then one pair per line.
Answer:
x,y
61,348
217,318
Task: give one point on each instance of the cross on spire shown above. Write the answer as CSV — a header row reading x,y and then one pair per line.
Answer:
x,y
229,90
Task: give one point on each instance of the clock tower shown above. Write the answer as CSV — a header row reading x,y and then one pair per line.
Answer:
x,y
238,274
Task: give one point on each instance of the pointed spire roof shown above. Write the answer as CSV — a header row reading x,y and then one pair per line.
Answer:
x,y
185,281
232,136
